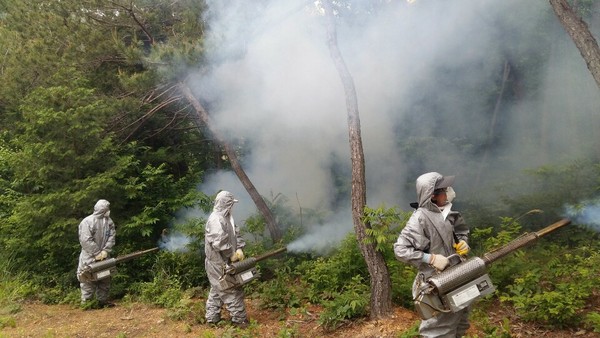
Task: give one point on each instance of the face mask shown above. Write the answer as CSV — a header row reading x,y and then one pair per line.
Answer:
x,y
450,194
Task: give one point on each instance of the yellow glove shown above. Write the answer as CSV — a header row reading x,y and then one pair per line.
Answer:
x,y
238,255
462,248
101,256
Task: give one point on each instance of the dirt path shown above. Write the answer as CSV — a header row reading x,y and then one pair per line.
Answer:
x,y
132,320
140,320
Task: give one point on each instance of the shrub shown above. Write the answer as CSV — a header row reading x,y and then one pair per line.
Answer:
x,y
386,225
281,292
555,293
7,322
164,291
327,276
188,310
14,287
592,321
289,332
351,302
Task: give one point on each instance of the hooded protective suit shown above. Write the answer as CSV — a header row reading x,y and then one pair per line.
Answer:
x,y
431,230
96,234
221,240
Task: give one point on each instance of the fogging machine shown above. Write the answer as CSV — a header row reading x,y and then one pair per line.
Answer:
x,y
463,282
103,269
243,272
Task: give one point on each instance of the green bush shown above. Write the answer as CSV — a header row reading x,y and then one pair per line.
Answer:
x,y
53,295
351,302
480,315
556,290
385,227
163,291
15,286
282,292
289,332
7,322
402,276
326,276
188,310
185,267
592,321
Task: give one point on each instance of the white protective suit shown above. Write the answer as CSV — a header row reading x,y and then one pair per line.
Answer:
x,y
221,240
96,234
431,230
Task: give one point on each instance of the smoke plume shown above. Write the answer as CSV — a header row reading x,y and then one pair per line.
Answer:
x,y
174,242
586,214
322,239
423,71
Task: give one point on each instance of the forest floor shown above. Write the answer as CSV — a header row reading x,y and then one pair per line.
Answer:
x,y
127,320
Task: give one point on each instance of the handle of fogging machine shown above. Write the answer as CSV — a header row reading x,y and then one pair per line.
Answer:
x,y
454,259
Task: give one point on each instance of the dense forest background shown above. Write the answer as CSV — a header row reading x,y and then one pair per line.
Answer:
x,y
494,92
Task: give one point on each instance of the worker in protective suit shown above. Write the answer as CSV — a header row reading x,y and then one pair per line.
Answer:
x,y
97,238
434,232
223,245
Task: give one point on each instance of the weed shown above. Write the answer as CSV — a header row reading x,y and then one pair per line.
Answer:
x,y
7,322
412,332
352,302
289,332
592,321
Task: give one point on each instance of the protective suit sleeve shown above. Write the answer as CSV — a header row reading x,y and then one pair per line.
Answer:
x,y
112,234
412,243
461,229
241,243
86,238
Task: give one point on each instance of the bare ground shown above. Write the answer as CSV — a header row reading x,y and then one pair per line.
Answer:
x,y
142,320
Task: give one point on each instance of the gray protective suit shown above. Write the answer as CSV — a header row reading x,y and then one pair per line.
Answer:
x,y
428,231
221,239
96,233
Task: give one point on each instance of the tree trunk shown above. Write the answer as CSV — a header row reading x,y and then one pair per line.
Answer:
x,y
490,138
581,35
203,117
381,289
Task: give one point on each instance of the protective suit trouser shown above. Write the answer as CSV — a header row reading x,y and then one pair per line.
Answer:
x,y
446,325
234,303
100,288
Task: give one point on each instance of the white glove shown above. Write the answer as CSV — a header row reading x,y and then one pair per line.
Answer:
x,y
101,256
462,248
238,255
439,262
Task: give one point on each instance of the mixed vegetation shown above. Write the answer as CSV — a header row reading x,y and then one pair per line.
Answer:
x,y
88,109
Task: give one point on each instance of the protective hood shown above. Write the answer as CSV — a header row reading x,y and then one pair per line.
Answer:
x,y
224,202
101,207
427,183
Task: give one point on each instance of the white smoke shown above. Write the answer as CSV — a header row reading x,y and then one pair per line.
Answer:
x,y
586,214
174,242
322,239
429,65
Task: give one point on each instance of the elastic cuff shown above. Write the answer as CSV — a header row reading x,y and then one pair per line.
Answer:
x,y
426,258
